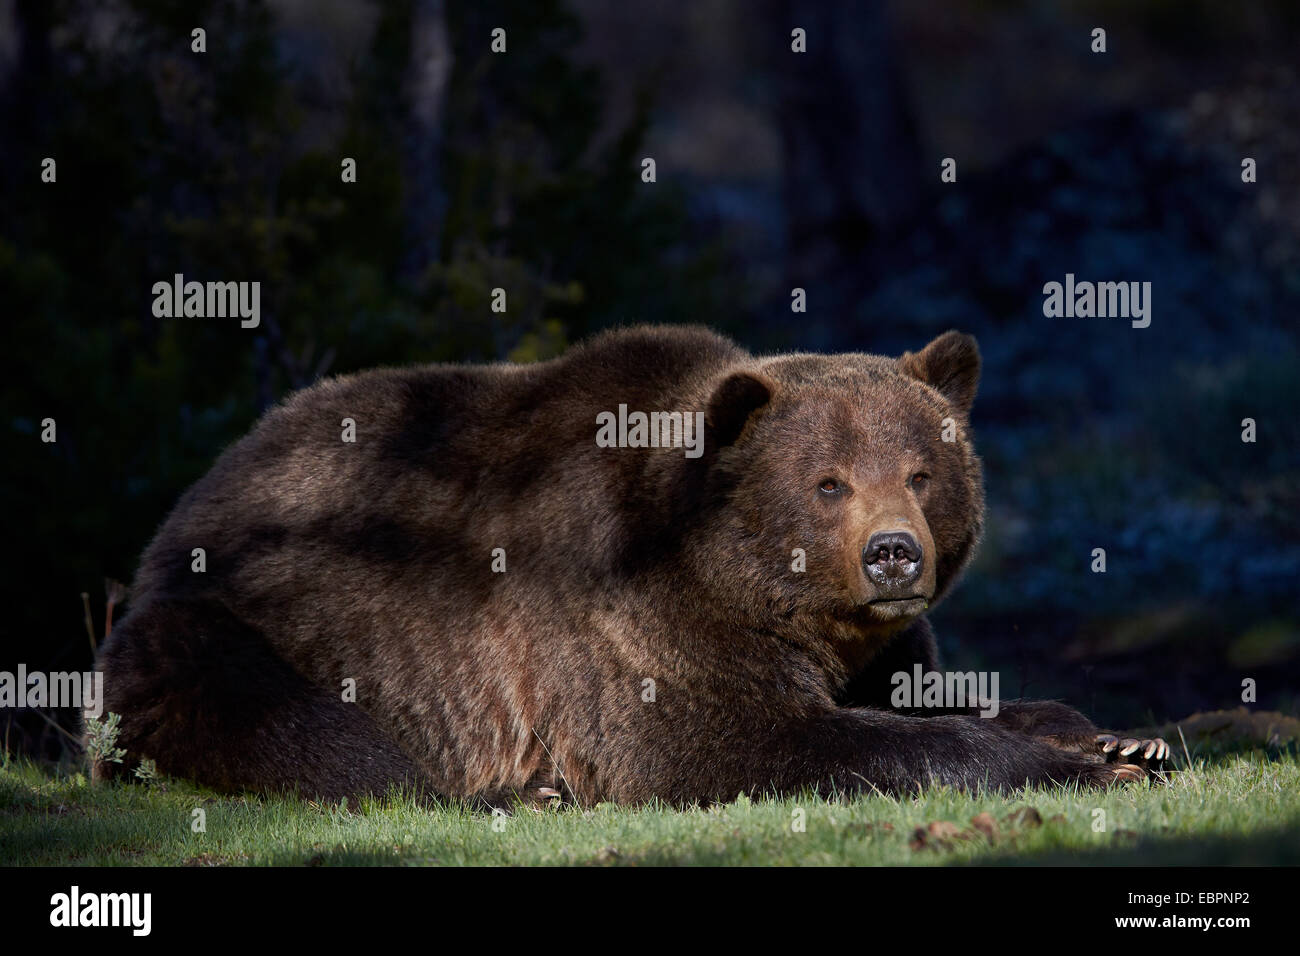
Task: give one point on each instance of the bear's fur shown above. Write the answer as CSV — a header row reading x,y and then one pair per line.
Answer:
x,y
648,637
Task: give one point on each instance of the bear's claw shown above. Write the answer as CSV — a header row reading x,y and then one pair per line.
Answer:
x,y
1147,754
1127,773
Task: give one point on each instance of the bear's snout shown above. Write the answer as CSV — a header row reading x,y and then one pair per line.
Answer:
x,y
893,562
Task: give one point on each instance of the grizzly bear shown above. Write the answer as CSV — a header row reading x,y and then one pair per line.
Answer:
x,y
438,577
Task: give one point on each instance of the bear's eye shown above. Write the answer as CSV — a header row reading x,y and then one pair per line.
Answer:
x,y
829,486
919,481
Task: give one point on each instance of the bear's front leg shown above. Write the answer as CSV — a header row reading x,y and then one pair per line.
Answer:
x,y
898,754
1064,727
845,749
1047,720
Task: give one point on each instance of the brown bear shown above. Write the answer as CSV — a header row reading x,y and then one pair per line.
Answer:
x,y
655,567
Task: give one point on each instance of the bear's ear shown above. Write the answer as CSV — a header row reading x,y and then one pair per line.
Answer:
x,y
735,399
950,365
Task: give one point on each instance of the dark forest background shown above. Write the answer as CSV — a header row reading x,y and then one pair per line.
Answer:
x,y
775,170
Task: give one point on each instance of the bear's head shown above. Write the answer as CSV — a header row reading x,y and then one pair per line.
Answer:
x,y
849,496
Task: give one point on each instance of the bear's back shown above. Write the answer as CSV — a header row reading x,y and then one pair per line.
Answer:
x,y
441,457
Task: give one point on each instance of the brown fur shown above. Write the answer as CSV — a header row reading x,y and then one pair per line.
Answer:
x,y
372,561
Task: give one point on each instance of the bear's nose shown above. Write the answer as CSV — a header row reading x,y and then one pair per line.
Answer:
x,y
892,559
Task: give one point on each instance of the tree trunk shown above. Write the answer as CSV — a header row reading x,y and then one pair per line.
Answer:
x,y
427,80
849,140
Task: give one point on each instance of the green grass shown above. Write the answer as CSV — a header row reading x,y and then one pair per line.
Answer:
x,y
1228,809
